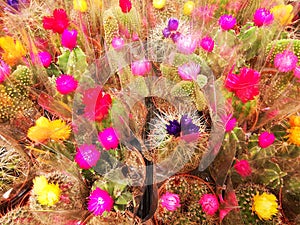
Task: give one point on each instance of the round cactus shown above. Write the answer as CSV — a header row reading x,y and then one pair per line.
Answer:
x,y
18,216
279,46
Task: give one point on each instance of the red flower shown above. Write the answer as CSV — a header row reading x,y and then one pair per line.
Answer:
x,y
58,22
243,168
245,85
97,104
125,5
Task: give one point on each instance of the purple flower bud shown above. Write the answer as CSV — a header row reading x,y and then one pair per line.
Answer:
x,y
227,22
174,128
175,36
69,39
173,24
166,32
262,17
45,58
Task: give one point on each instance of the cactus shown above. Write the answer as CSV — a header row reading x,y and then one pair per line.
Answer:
x,y
18,216
111,26
279,46
114,218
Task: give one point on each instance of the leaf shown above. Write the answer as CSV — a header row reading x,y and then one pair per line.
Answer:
x,y
124,199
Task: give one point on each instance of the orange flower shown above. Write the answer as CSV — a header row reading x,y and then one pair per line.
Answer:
x,y
13,50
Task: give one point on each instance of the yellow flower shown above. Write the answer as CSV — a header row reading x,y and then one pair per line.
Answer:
x,y
13,50
283,14
294,135
159,4
80,5
39,183
188,8
295,121
265,206
45,129
50,195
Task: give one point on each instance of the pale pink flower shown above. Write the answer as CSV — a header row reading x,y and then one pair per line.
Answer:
x,y
189,71
140,67
117,43
209,204
170,201
285,61
186,44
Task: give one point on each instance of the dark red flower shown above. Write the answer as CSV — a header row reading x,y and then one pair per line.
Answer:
x,y
245,85
58,22
125,5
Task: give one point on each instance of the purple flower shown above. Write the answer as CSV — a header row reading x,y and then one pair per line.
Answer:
x,y
99,202
117,43
243,168
87,156
227,22
285,61
170,201
186,44
175,36
108,138
173,24
174,128
140,67
209,204
69,39
262,17
4,71
207,43
45,58
66,84
166,32
189,71
265,139
187,126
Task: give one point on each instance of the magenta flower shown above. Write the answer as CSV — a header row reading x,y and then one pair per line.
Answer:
x,y
285,61
209,204
207,43
186,44
245,85
243,168
69,39
4,71
262,17
87,156
108,138
99,202
170,201
117,43
140,67
265,139
45,58
189,71
66,84
227,22
230,125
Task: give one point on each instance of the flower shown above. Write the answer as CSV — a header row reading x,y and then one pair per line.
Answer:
x,y
262,17
117,43
87,156
45,58
108,138
175,36
39,183
13,50
283,14
186,44
125,5
4,71
207,43
170,201
45,129
159,4
188,7
80,5
69,39
230,124
58,22
97,104
173,24
265,206
294,135
297,73
189,71
99,202
243,168
166,32
285,61
140,67
227,22
209,204
187,126
13,3
65,84
245,86
173,128
294,121
265,139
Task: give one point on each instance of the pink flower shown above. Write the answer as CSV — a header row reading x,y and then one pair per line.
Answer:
x,y
263,17
125,5
66,84
69,39
108,138
285,61
87,156
189,71
140,67
170,201
266,139
230,125
58,22
297,73
4,71
209,204
227,22
245,85
117,43
243,168
186,44
99,202
207,43
45,58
